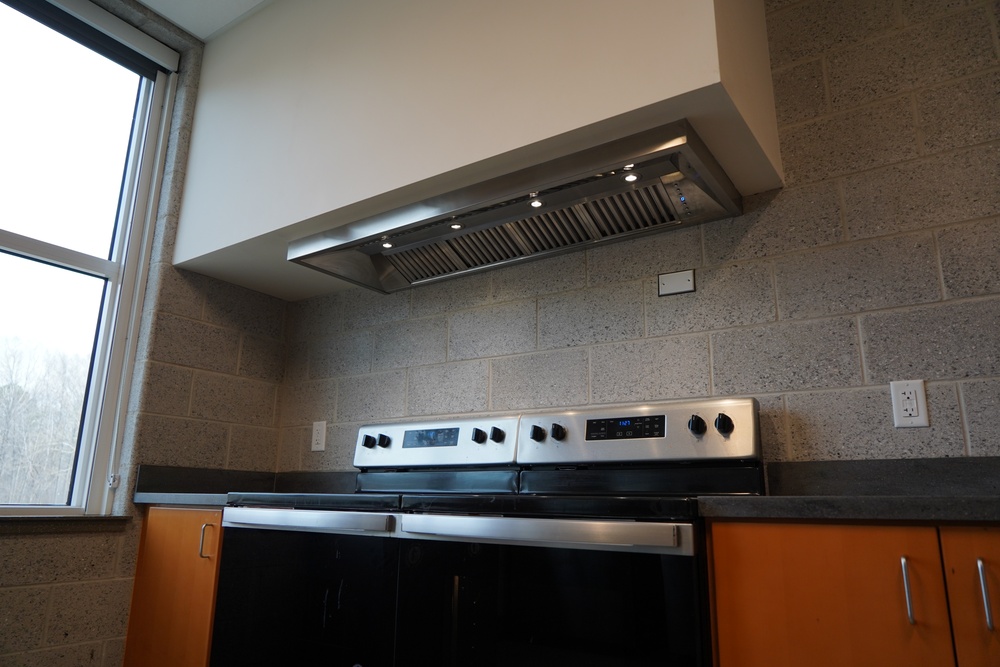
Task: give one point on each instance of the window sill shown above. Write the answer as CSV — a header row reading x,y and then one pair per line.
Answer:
x,y
48,525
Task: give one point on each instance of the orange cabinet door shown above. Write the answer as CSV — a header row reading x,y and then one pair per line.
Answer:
x,y
170,622
798,594
972,570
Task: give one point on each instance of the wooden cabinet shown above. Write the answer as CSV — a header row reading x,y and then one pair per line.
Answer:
x,y
798,594
170,623
972,570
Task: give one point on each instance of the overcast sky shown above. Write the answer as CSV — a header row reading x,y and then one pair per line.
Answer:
x,y
64,131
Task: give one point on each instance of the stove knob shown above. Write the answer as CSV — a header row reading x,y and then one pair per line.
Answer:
x,y
383,440
368,441
724,424
479,435
537,433
497,434
558,431
697,425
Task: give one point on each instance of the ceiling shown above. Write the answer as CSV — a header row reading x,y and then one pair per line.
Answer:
x,y
205,19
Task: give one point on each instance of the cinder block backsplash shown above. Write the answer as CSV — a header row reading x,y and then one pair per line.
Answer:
x,y
879,260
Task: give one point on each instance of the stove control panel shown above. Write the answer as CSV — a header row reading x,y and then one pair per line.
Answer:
x,y
682,430
457,442
725,428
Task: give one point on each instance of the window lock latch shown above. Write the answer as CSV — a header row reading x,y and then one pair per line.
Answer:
x,y
114,480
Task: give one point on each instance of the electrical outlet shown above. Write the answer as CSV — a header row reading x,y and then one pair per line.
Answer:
x,y
319,436
909,403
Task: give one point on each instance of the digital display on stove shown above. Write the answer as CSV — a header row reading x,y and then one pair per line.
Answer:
x,y
627,428
431,437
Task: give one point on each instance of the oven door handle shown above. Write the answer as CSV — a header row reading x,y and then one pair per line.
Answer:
x,y
632,536
310,521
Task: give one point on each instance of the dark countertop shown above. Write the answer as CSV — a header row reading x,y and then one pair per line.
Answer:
x,y
170,485
930,490
949,490
929,509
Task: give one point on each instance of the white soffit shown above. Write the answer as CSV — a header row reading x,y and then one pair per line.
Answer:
x,y
205,18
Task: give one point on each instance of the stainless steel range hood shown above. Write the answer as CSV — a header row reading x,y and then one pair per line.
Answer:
x,y
658,179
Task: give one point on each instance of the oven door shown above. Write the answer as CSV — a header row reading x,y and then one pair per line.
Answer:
x,y
460,591
305,588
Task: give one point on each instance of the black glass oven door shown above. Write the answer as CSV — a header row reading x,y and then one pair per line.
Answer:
x,y
491,605
304,599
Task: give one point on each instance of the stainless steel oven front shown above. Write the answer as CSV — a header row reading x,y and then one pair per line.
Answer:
x,y
557,538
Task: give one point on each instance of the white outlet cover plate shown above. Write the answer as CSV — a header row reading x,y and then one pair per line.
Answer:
x,y
318,440
676,283
909,403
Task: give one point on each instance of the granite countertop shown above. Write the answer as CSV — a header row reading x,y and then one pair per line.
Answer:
x,y
930,509
961,490
952,490
169,485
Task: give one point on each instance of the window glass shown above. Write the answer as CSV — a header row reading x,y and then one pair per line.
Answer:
x,y
64,128
75,201
45,358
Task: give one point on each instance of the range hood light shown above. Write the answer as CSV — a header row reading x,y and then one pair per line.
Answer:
x,y
386,244
537,203
456,225
631,177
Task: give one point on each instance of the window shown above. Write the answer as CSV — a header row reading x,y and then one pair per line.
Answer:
x,y
81,137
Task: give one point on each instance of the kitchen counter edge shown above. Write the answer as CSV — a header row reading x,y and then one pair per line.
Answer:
x,y
928,509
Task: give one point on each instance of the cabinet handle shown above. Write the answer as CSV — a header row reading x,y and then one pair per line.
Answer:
x,y
201,543
906,591
986,593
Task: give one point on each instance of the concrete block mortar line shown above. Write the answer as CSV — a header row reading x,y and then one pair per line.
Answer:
x,y
49,612
995,25
964,417
861,349
704,250
590,374
406,386
190,401
489,384
336,401
942,288
447,336
277,450
786,427
538,321
824,66
773,274
711,364
229,447
841,189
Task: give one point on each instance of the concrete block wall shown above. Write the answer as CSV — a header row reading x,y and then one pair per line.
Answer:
x,y
64,598
879,261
